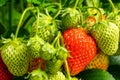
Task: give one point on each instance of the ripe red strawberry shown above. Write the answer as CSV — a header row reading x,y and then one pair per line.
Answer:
x,y
100,61
4,73
81,47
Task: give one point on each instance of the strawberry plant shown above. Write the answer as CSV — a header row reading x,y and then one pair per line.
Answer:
x,y
59,39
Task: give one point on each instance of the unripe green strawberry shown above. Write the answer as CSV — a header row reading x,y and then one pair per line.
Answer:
x,y
34,45
16,57
53,65
106,35
70,18
46,28
62,53
100,61
47,51
58,76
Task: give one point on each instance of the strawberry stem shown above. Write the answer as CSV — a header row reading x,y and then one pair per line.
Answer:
x,y
76,3
56,41
113,7
99,13
60,7
37,20
67,70
20,22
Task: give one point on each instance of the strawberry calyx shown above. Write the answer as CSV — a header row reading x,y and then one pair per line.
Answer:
x,y
37,74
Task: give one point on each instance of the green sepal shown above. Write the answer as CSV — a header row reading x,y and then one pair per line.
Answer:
x,y
37,75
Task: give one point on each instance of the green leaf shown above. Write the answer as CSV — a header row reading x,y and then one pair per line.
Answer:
x,y
96,74
2,2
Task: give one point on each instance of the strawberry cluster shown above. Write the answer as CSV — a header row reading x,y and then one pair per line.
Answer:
x,y
68,45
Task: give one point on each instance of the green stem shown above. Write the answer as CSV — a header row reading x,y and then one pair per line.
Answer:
x,y
56,40
81,17
76,3
113,7
37,20
67,70
20,22
60,7
96,9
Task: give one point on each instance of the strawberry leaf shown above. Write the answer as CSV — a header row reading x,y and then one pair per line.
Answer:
x,y
96,74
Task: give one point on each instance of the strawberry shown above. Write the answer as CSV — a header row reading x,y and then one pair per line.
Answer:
x,y
16,56
53,65
100,61
58,76
90,21
4,73
47,28
34,62
115,15
117,22
34,45
47,51
106,35
81,47
70,17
